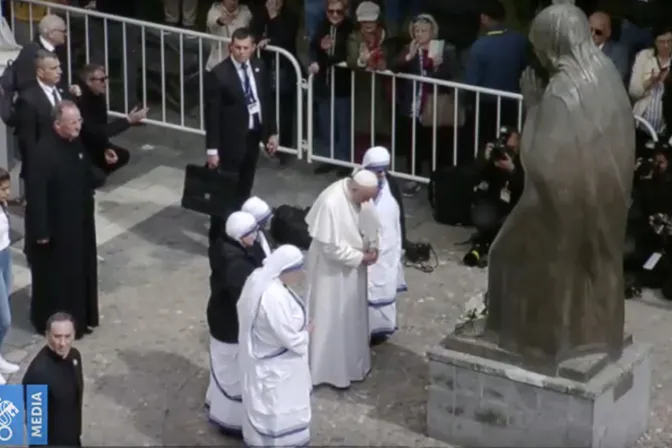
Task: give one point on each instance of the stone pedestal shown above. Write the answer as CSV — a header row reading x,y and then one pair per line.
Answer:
x,y
478,402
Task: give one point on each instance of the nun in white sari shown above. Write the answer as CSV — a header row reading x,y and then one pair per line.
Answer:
x,y
262,213
273,337
233,258
386,276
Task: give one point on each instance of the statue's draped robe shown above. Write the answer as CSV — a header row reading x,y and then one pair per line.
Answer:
x,y
556,267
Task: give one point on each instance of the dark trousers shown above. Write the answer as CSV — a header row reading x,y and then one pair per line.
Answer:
x,y
488,218
246,174
424,138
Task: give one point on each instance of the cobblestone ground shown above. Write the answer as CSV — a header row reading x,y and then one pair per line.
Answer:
x,y
146,366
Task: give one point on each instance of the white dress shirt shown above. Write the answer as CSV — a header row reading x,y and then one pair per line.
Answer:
x,y
47,45
255,93
50,91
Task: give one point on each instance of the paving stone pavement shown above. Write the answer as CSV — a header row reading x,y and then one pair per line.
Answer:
x,y
146,367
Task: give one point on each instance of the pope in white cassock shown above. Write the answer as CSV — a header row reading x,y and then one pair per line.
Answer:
x,y
336,278
262,213
385,277
273,338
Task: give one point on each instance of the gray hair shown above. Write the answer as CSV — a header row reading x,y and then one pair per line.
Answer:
x,y
61,108
43,55
60,316
49,23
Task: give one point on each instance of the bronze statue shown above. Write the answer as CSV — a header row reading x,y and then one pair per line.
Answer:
x,y
556,267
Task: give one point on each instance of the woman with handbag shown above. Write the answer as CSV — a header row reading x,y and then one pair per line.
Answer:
x,y
415,100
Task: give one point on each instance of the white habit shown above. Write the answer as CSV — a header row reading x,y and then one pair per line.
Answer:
x,y
337,292
273,339
224,395
385,277
262,213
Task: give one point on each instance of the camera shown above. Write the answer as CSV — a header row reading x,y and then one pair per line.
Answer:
x,y
661,224
499,148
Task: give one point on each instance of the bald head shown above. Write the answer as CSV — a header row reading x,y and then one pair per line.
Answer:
x,y
600,27
67,120
52,29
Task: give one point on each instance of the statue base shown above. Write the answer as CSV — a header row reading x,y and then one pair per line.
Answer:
x,y
483,400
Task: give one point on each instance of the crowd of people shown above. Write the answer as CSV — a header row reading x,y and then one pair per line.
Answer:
x,y
269,346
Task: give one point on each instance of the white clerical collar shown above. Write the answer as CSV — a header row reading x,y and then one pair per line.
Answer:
x,y
46,88
46,44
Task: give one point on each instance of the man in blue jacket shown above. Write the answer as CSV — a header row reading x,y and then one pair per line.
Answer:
x,y
496,61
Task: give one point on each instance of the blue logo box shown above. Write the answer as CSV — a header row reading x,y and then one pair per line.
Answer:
x,y
23,415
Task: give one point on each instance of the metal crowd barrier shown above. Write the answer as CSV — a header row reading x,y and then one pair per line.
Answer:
x,y
160,63
156,43
441,141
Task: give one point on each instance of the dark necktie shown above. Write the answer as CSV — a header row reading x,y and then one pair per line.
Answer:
x,y
249,95
54,94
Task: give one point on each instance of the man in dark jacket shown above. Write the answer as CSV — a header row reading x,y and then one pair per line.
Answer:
x,y
59,366
92,103
52,37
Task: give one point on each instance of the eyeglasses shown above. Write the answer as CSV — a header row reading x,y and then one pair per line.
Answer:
x,y
664,41
61,30
336,12
597,31
100,78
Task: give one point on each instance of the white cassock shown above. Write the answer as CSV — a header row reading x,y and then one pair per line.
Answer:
x,y
386,277
275,375
337,290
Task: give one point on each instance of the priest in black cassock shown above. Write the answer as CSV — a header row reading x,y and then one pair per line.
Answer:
x,y
59,366
61,224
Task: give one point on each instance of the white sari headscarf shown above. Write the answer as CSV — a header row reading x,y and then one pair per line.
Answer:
x,y
283,259
258,208
240,225
377,159
262,213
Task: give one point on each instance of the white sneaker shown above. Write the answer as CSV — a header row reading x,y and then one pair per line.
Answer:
x,y
8,367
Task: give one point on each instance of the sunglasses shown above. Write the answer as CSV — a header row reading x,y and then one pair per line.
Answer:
x,y
336,12
597,32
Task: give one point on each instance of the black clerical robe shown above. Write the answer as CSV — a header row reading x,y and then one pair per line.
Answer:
x,y
61,212
65,388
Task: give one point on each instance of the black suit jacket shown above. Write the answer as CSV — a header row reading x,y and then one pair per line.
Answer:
x,y
99,129
35,117
25,69
226,114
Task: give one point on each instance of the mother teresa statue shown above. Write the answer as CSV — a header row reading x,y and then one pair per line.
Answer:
x,y
556,267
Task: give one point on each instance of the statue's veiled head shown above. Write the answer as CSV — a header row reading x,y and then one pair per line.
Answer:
x,y
561,34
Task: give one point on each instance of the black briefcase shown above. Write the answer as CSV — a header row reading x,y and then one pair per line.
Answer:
x,y
208,191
